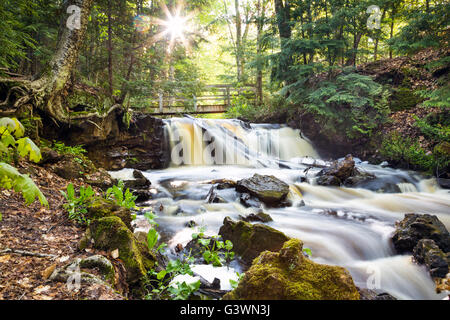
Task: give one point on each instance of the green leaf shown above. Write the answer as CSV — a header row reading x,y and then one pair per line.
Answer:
x,y
26,146
8,140
71,191
228,245
22,183
161,274
204,242
13,125
3,148
152,238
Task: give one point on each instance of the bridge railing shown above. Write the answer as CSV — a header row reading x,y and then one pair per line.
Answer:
x,y
213,99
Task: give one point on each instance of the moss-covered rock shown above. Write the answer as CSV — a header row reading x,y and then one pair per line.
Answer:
x,y
110,233
101,207
288,275
249,240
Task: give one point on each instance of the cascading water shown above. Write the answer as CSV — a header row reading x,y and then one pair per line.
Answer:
x,y
350,227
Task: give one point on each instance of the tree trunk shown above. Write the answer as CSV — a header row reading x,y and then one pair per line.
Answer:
x,y
238,41
283,14
48,91
260,7
110,61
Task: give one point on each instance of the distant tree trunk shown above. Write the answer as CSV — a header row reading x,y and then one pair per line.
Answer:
x,y
356,40
110,59
282,10
393,13
377,40
238,41
260,7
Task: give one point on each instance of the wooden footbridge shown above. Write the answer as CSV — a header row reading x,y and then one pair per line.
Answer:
x,y
213,99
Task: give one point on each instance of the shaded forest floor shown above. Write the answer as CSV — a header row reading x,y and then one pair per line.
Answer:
x,y
42,231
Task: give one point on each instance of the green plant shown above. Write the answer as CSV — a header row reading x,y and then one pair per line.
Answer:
x,y
13,145
160,284
234,283
61,148
215,251
77,206
307,251
123,197
406,152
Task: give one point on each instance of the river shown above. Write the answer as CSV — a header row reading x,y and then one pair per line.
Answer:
x,y
349,227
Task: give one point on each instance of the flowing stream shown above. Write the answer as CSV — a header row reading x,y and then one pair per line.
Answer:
x,y
350,227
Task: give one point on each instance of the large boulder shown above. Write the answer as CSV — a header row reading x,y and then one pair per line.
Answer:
x,y
249,240
415,227
428,253
288,275
268,189
109,234
340,169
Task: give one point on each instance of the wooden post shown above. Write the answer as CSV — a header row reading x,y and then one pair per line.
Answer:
x,y
161,107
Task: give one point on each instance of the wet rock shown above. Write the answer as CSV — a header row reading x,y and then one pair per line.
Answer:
x,y
142,195
260,216
442,284
444,183
268,189
212,197
340,169
327,180
248,201
140,181
139,186
190,224
367,294
343,172
288,275
249,240
428,253
358,178
415,227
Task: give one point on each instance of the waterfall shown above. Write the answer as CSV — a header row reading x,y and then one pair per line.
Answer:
x,y
233,142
